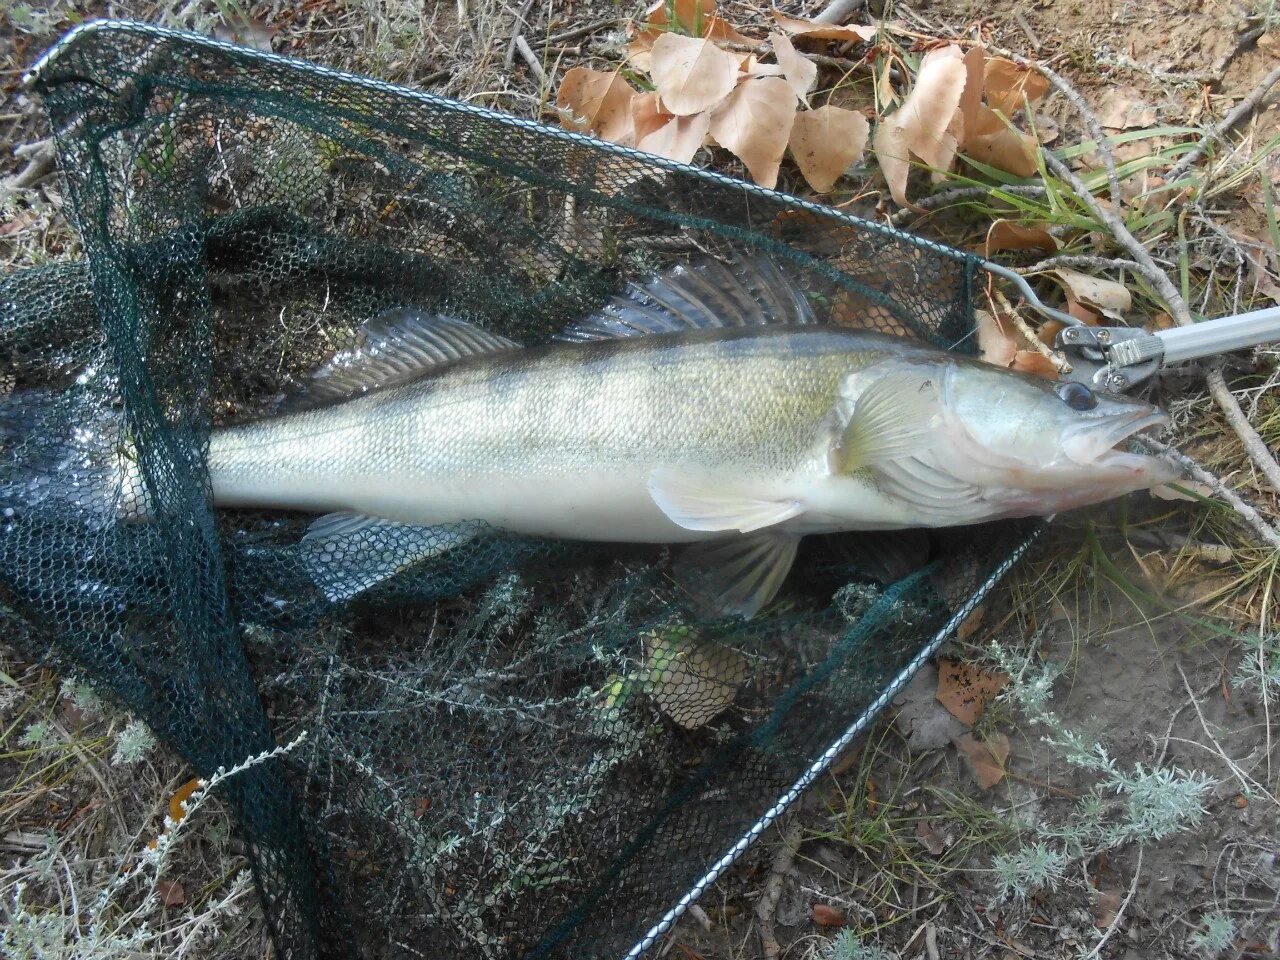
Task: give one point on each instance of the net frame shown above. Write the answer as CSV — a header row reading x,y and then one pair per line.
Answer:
x,y
42,74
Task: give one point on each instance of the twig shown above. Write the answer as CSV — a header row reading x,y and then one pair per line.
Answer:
x,y
1237,113
838,11
1021,20
40,161
516,28
1029,335
768,901
1115,921
963,193
527,54
1072,261
567,35
1265,531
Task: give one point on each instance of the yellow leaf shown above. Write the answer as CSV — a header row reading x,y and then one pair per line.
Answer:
x,y
1008,85
755,123
691,681
920,125
690,74
800,71
822,31
599,103
825,142
678,138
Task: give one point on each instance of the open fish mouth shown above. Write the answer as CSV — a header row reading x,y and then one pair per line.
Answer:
x,y
1110,437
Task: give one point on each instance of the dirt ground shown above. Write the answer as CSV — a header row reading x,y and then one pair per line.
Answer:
x,y
898,847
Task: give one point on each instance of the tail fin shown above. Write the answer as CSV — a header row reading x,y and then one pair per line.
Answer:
x,y
62,448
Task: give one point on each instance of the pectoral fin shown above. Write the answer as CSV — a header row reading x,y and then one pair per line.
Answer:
x,y
349,553
892,416
703,503
737,576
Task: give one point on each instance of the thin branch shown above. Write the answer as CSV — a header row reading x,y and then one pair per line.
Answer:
x,y
769,896
1247,512
1006,309
838,11
1079,262
936,200
566,35
516,29
529,57
1238,113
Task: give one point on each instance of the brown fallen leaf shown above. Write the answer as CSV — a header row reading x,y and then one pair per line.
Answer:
x,y
919,126
985,759
970,624
176,809
822,31
1106,905
965,690
691,74
930,838
997,338
723,31
1007,235
966,117
752,67
994,142
1035,363
754,123
1125,109
600,103
686,16
1008,86
825,916
420,807
825,142
171,893
640,51
800,71
647,114
678,138
247,33
1110,297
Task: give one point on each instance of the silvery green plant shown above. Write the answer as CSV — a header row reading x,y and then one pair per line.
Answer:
x,y
1216,934
847,945
1123,806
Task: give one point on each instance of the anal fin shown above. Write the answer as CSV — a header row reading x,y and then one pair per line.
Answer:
x,y
349,553
737,576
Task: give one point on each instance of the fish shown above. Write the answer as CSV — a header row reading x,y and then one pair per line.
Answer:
x,y
704,406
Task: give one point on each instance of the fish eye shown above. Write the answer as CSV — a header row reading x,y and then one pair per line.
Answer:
x,y
1077,396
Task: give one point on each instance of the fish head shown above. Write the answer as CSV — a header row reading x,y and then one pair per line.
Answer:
x,y
1042,446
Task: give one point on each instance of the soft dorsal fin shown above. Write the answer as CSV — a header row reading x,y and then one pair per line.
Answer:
x,y
702,295
397,346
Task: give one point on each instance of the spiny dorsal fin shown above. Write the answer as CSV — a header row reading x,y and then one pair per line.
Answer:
x,y
702,295
397,346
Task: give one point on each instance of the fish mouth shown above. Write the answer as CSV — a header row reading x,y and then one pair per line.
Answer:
x,y
1109,438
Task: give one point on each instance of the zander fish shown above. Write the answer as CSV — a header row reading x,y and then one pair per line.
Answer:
x,y
706,404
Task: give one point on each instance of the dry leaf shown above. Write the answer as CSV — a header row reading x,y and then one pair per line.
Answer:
x,y
176,809
965,690
966,118
1007,235
825,916
800,71
752,67
690,74
690,15
1125,109
932,840
247,33
822,31
171,893
755,123
970,624
985,759
994,142
1008,85
926,723
1035,363
691,681
1171,491
647,114
678,139
1109,296
640,52
598,103
1105,908
997,340
920,125
722,30
825,142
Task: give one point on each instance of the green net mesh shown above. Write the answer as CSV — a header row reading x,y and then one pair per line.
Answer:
x,y
523,748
